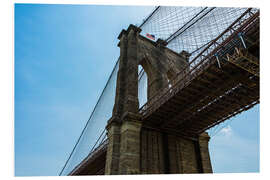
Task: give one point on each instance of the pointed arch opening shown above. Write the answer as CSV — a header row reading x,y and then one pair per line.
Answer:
x,y
142,86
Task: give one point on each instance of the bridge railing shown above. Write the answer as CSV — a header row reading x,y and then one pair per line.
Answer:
x,y
199,63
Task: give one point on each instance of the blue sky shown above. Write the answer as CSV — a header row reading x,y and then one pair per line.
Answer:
x,y
64,55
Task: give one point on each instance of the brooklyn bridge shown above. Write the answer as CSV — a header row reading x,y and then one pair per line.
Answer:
x,y
181,72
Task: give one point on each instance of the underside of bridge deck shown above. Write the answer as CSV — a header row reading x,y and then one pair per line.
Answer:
x,y
210,98
217,91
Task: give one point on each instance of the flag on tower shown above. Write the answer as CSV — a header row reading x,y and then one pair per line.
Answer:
x,y
150,36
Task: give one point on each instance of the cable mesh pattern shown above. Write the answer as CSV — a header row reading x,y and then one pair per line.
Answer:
x,y
184,28
168,19
94,132
189,28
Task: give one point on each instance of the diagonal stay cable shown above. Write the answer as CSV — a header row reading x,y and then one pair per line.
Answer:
x,y
91,151
186,24
201,47
174,35
141,73
155,10
157,96
97,141
89,118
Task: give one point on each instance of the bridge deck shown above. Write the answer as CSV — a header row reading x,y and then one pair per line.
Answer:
x,y
212,97
213,91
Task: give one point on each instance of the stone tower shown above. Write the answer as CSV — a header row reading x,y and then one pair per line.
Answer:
x,y
136,147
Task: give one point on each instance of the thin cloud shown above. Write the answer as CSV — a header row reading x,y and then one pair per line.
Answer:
x,y
233,153
227,131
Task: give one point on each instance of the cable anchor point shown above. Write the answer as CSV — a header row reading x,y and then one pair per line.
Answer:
x,y
241,37
218,61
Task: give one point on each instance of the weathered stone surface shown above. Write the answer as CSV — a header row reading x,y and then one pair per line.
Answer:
x,y
136,150
188,160
113,149
130,147
181,154
206,162
160,64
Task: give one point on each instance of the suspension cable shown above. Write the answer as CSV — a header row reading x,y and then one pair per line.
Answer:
x,y
168,41
155,10
89,119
